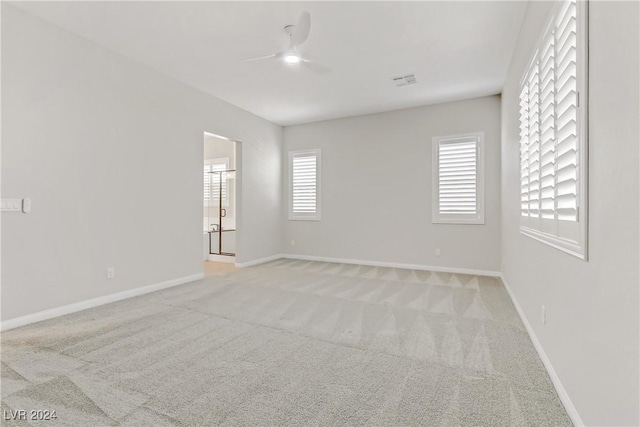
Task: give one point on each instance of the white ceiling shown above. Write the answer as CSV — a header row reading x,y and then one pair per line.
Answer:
x,y
456,50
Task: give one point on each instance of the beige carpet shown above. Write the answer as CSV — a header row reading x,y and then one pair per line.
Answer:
x,y
288,343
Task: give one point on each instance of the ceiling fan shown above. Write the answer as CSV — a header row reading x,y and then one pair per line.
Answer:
x,y
298,34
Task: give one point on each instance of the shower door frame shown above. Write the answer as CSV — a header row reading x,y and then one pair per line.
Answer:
x,y
220,216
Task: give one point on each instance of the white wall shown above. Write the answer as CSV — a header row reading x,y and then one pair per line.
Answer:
x,y
376,187
111,154
591,335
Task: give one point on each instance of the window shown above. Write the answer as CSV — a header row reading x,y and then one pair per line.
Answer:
x,y
458,179
553,134
212,182
304,184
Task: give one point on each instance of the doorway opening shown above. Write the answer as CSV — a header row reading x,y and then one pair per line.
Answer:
x,y
219,214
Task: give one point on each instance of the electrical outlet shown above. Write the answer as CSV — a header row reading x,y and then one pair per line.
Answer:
x,y
543,315
437,251
293,242
111,273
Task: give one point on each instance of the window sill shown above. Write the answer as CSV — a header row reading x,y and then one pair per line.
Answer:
x,y
474,219
458,222
304,218
568,246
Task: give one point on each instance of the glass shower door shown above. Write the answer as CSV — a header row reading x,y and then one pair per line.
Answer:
x,y
221,181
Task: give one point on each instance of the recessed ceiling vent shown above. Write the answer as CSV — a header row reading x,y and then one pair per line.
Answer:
x,y
407,79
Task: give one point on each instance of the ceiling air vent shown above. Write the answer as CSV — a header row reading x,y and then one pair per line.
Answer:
x,y
407,79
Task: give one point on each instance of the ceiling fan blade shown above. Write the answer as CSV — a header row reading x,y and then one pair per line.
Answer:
x,y
301,31
316,67
259,58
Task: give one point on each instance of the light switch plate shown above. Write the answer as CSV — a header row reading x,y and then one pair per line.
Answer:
x,y
11,205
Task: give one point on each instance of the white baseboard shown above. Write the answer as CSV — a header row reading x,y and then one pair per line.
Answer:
x,y
562,393
259,261
395,265
94,302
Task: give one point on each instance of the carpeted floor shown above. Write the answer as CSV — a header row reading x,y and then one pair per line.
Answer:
x,y
288,343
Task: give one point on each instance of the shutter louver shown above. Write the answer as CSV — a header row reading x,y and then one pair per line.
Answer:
x,y
534,143
524,150
457,177
207,186
566,203
212,184
547,130
304,184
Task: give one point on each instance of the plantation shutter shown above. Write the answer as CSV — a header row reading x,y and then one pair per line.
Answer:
x,y
207,184
457,177
524,151
534,143
212,184
304,183
566,114
553,133
547,130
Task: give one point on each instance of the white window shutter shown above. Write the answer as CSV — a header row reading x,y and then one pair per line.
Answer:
x,y
304,168
534,143
524,150
553,132
458,183
207,184
457,177
566,115
547,129
304,184
212,182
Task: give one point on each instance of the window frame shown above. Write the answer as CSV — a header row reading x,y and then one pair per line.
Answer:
x,y
476,219
300,216
533,227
